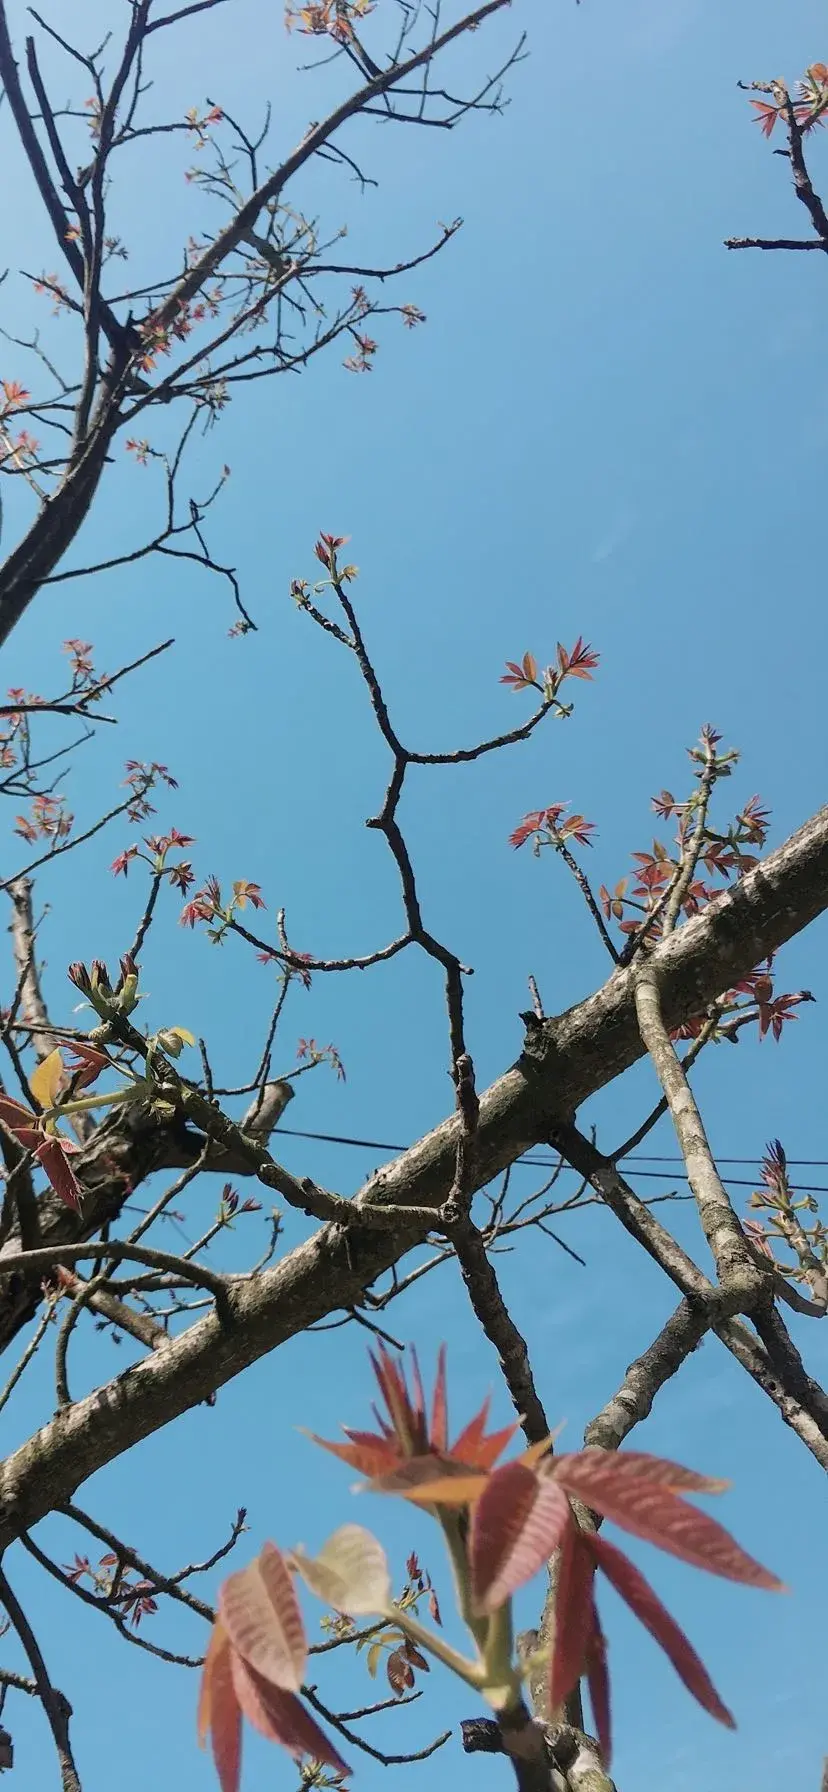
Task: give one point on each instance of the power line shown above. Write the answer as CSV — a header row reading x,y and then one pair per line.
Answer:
x,y
634,1157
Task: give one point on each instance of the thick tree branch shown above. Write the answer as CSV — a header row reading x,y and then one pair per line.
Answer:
x,y
565,1060
32,1006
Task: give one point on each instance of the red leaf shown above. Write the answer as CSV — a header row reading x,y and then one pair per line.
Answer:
x,y
399,1671
527,827
652,1511
523,675
14,1115
599,1688
418,1402
281,1717
89,1066
516,1525
261,1615
123,860
218,1711
638,1466
766,116
474,1448
580,663
574,1610
439,1409
369,1454
407,1416
639,1595
51,1153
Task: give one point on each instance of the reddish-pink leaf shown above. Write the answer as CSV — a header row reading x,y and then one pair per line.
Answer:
x,y
639,1595
504,1507
519,676
407,1419
28,1136
399,1671
580,663
465,1447
51,1153
517,1524
282,1718
13,1115
439,1409
493,1446
766,116
573,1617
637,1466
527,827
219,1711
382,1451
418,1400
261,1615
653,1512
473,1446
89,1066
370,1455
599,1687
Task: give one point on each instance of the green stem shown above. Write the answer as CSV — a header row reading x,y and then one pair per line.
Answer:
x,y
450,1525
470,1671
503,1680
84,1103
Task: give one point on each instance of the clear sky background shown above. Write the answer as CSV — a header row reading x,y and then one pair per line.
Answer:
x,y
609,426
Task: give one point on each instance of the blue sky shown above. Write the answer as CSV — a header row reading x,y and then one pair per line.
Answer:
x,y
609,427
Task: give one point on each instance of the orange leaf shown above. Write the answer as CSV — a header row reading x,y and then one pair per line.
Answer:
x,y
432,1481
371,1456
522,675
477,1450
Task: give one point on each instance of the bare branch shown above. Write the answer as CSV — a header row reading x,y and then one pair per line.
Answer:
x,y
57,1708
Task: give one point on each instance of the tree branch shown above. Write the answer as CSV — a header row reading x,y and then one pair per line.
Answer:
x,y
565,1060
57,1708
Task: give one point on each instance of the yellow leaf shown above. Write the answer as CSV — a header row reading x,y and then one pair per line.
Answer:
x,y
45,1081
173,1039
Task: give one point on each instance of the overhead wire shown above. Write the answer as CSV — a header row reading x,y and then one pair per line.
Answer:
x,y
634,1157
